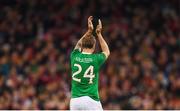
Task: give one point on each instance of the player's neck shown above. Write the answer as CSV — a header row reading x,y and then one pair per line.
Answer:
x,y
87,51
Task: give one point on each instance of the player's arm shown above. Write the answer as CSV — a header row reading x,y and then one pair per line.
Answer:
x,y
102,42
88,33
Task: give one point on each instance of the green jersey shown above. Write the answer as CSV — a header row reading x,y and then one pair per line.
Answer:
x,y
85,74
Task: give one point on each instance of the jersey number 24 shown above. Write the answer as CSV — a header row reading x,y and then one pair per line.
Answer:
x,y
88,73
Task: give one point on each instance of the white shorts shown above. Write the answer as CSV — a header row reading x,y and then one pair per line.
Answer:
x,y
85,103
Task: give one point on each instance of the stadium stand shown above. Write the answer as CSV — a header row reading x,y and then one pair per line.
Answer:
x,y
37,36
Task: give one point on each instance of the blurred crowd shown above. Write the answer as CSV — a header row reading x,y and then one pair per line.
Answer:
x,y
37,37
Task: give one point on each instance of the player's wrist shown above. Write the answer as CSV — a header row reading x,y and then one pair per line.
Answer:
x,y
99,34
89,32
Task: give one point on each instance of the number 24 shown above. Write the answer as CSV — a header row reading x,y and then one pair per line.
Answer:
x,y
89,70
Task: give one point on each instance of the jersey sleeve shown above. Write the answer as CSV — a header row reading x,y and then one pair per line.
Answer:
x,y
101,58
74,52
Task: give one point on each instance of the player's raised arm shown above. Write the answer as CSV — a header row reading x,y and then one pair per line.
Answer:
x,y
88,33
102,42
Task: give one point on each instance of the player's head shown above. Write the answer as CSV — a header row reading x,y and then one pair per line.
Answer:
x,y
89,42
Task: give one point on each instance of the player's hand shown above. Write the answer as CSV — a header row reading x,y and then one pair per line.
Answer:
x,y
99,27
90,24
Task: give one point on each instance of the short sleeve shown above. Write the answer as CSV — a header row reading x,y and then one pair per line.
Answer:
x,y
74,52
101,58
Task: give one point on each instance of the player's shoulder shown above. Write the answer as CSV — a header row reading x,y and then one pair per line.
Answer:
x,y
99,54
100,57
74,52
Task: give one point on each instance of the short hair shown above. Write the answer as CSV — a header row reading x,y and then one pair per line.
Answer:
x,y
88,42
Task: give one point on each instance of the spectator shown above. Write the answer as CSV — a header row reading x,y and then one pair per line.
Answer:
x,y
36,37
